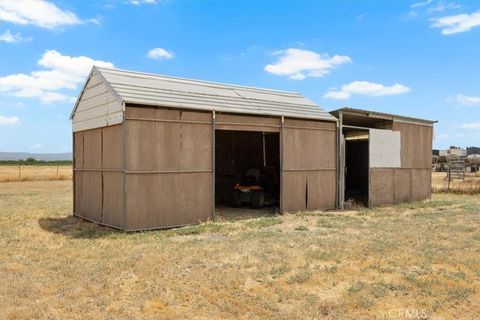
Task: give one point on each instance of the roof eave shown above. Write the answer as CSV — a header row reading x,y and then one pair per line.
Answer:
x,y
382,115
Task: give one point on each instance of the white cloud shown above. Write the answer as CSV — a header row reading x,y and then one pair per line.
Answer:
x,y
36,12
8,120
421,4
441,7
9,37
467,101
61,72
457,23
365,88
472,126
298,64
160,53
139,2
37,146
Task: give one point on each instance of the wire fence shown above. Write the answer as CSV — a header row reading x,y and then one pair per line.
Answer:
x,y
10,173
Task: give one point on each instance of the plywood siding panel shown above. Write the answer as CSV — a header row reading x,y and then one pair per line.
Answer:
x,y
195,150
113,199
416,150
137,111
402,185
310,124
91,207
309,149
381,189
309,164
112,151
294,191
173,194
78,192
321,190
78,152
421,184
92,147
167,200
168,146
246,123
252,120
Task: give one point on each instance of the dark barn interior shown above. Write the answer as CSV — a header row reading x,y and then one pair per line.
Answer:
x,y
237,152
357,166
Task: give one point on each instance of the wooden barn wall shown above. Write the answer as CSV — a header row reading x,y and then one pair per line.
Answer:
x,y
309,165
168,167
98,185
247,123
413,180
113,176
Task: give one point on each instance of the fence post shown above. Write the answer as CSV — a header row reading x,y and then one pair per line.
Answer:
x,y
19,171
57,170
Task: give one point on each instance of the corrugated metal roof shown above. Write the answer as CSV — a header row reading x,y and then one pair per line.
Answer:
x,y
374,114
152,89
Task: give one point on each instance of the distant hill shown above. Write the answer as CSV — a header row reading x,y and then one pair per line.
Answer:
x,y
36,156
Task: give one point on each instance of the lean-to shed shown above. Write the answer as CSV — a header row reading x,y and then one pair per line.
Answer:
x,y
384,158
152,151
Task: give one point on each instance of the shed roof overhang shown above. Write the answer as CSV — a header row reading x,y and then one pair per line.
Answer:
x,y
366,118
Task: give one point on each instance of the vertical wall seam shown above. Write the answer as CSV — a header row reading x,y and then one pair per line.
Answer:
x,y
101,172
125,167
282,178
306,192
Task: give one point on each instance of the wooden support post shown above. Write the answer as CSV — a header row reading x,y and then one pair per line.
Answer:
x,y
213,166
282,179
341,164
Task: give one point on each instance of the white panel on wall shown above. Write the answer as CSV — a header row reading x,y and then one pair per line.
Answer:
x,y
385,148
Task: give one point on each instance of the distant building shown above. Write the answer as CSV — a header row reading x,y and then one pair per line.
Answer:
x,y
453,152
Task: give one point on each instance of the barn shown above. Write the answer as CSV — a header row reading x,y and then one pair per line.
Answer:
x,y
384,158
153,151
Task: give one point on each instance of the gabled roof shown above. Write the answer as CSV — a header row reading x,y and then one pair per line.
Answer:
x,y
380,115
157,90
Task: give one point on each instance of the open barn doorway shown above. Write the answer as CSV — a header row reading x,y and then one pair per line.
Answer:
x,y
247,173
356,166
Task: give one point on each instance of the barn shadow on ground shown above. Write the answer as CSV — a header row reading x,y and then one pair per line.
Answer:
x,y
75,228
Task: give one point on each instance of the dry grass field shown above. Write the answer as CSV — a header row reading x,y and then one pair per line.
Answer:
x,y
471,185
418,260
10,173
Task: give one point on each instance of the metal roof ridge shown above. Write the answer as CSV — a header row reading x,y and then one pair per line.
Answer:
x,y
215,83
216,95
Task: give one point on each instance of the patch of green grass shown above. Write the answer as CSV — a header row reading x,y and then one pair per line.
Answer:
x,y
434,203
330,269
263,222
364,302
356,286
459,294
300,276
280,269
319,254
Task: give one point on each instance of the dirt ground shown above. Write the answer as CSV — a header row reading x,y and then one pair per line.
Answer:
x,y
417,260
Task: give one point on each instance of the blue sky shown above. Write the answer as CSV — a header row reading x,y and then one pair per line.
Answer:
x,y
416,58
